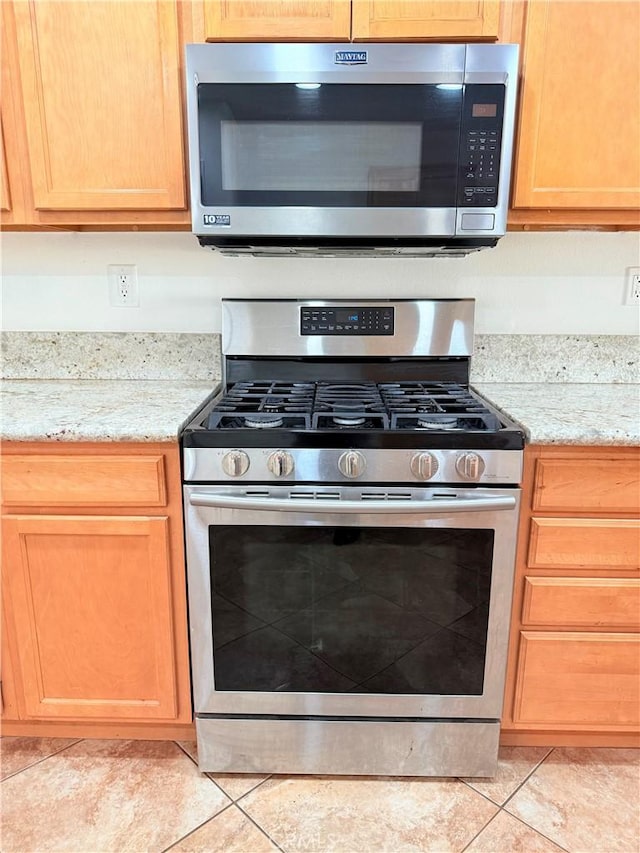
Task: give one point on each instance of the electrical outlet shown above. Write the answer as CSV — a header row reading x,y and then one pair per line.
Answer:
x,y
123,286
632,286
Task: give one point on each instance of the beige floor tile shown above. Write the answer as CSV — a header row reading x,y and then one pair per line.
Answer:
x,y
505,834
514,765
586,800
233,784
229,832
338,814
16,753
107,795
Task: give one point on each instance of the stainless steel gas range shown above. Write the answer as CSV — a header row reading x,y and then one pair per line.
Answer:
x,y
351,510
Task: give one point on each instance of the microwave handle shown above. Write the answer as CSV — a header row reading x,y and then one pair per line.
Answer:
x,y
438,505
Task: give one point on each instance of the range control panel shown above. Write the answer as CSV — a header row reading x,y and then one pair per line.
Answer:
x,y
480,144
346,321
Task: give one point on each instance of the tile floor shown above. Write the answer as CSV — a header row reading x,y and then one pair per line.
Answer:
x,y
90,796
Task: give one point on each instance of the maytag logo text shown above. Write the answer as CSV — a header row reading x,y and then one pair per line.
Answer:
x,y
351,57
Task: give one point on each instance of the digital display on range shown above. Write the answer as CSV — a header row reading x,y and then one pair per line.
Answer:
x,y
347,321
347,317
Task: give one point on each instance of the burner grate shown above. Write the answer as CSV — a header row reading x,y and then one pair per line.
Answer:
x,y
359,406
349,405
264,405
445,423
259,421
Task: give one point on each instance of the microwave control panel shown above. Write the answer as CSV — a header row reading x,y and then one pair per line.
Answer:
x,y
480,142
346,321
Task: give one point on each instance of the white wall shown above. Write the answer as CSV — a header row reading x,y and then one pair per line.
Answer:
x,y
545,283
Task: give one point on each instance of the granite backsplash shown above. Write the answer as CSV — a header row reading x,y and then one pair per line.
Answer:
x,y
196,357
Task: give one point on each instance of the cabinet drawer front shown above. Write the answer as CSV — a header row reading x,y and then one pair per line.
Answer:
x,y
587,485
582,602
51,480
584,543
583,680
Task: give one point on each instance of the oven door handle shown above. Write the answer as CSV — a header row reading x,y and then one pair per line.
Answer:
x,y
335,505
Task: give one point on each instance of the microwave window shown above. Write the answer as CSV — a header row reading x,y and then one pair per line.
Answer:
x,y
334,156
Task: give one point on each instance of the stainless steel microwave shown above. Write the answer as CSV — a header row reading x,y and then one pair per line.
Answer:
x,y
350,149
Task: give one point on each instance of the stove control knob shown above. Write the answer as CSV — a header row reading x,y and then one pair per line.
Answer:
x,y
352,464
424,466
470,466
280,463
235,463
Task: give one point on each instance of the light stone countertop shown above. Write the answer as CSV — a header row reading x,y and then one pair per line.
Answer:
x,y
101,410
566,413
153,410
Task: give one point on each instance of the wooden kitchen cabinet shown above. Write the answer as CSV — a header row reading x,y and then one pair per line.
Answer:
x,y
97,89
12,194
573,675
579,126
576,679
419,20
356,20
277,20
95,629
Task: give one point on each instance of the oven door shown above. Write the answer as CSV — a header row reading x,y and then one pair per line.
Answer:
x,y
350,601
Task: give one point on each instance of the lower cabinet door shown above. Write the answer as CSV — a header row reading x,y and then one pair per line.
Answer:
x,y
578,680
90,616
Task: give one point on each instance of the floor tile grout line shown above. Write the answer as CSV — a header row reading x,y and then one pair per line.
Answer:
x,y
206,775
528,825
35,763
526,778
256,824
215,782
199,826
480,793
482,829
251,790
190,757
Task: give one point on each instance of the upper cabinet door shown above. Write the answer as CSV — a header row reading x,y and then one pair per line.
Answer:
x,y
5,197
412,20
102,94
277,20
14,170
579,133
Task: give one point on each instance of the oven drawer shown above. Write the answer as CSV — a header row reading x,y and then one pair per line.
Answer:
x,y
584,543
578,679
582,602
92,480
587,485
402,747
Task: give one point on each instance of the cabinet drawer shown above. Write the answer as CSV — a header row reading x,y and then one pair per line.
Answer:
x,y
582,602
584,543
73,480
582,680
587,485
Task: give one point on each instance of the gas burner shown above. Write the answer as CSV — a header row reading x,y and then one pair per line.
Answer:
x,y
359,388
441,423
428,406
263,421
346,420
351,405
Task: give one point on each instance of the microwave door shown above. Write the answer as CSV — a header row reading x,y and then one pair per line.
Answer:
x,y
334,159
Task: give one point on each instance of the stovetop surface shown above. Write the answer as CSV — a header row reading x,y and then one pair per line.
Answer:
x,y
344,413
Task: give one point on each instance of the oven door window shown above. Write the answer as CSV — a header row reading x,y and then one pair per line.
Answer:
x,y
350,610
337,145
